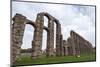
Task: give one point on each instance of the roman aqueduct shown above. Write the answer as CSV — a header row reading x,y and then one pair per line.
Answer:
x,y
74,45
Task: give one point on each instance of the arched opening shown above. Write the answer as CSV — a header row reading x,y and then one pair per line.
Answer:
x,y
27,40
44,42
44,38
45,21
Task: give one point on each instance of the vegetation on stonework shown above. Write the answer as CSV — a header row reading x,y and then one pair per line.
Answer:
x,y
27,60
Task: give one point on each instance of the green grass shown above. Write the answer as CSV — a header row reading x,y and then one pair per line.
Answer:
x,y
26,60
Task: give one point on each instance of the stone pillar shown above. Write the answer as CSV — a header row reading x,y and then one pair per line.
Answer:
x,y
37,40
73,42
50,39
71,46
61,46
17,36
65,50
58,33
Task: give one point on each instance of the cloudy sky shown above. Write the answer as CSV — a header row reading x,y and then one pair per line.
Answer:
x,y
81,19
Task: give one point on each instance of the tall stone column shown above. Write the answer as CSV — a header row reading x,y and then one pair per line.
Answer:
x,y
17,36
58,33
50,39
73,42
71,46
61,46
65,50
37,40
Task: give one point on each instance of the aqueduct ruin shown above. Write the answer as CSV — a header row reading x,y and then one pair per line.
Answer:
x,y
74,45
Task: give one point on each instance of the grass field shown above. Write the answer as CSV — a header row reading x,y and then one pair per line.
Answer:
x,y
26,60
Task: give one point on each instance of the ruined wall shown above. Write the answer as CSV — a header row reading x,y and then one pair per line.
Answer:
x,y
79,45
74,45
18,30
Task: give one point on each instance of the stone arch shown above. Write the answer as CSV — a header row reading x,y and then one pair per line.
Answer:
x,y
50,40
49,29
31,23
18,28
37,42
19,25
